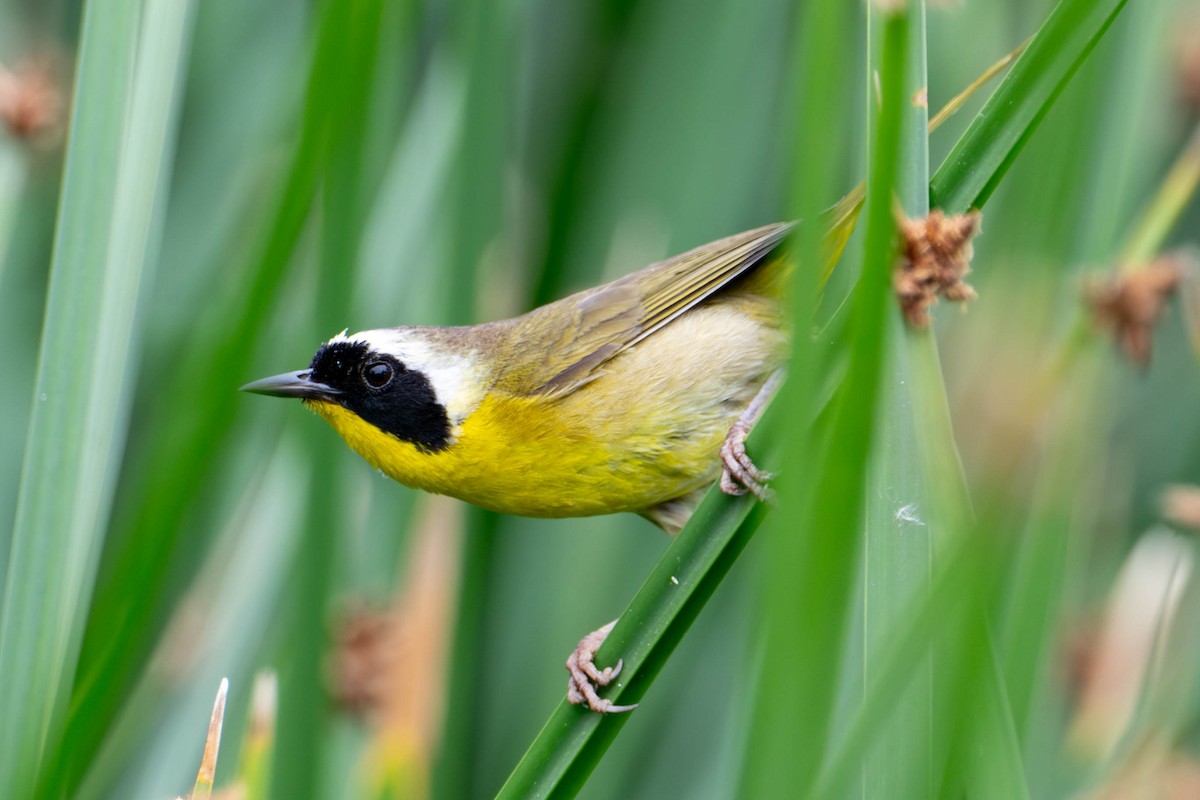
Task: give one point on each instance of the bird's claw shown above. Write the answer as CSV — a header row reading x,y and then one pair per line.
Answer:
x,y
739,474
586,676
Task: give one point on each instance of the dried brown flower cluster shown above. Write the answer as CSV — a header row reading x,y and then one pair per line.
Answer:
x,y
1187,63
30,105
936,257
358,667
388,663
1130,303
1181,505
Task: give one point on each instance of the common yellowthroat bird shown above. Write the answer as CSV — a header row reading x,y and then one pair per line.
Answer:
x,y
632,396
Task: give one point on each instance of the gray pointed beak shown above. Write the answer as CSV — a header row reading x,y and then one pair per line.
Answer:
x,y
291,384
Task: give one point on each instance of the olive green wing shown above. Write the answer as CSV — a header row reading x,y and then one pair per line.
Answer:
x,y
558,348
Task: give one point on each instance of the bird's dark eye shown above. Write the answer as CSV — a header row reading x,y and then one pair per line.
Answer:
x,y
378,374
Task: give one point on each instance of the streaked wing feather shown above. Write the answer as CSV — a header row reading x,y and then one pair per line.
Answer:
x,y
582,332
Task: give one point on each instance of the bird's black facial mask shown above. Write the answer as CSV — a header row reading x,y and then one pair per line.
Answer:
x,y
381,390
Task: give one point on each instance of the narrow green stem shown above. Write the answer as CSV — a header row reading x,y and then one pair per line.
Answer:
x,y
1163,212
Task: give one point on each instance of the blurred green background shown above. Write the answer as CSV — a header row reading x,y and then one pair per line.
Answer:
x,y
363,164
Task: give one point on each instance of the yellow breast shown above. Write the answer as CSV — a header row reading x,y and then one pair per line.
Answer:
x,y
648,430
513,457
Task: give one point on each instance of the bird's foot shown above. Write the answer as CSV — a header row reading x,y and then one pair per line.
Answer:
x,y
586,677
739,474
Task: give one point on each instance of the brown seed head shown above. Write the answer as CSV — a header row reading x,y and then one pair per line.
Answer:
x,y
357,668
30,105
936,254
1187,62
1129,304
1180,504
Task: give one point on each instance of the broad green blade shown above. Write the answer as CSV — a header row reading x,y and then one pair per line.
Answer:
x,y
170,468
130,60
983,155
813,573
573,740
